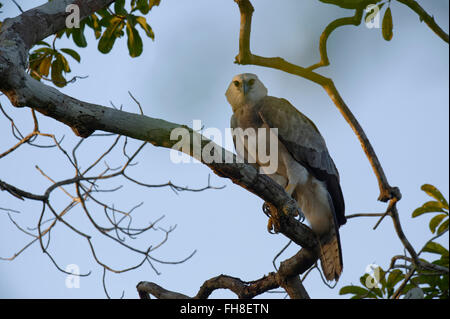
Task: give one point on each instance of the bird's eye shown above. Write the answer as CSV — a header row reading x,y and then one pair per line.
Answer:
x,y
251,82
236,83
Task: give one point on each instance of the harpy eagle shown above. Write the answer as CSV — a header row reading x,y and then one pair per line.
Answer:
x,y
305,168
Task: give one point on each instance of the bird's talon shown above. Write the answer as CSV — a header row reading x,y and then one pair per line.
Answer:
x,y
266,209
301,216
270,225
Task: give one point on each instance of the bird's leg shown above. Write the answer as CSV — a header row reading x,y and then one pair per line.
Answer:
x,y
300,213
268,209
290,190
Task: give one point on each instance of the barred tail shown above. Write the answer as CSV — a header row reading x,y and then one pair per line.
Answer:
x,y
331,259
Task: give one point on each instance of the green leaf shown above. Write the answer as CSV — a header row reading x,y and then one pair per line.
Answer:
x,y
442,262
110,35
44,66
78,37
443,227
56,73
444,259
94,23
119,7
60,33
435,248
103,13
74,54
43,43
64,62
143,6
144,25
435,193
356,290
387,26
106,20
35,61
394,278
435,221
134,41
443,284
377,291
431,280
428,207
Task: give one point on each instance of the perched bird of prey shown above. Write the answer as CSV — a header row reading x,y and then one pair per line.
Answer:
x,y
305,168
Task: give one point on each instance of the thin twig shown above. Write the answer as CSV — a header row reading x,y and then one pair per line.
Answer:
x,y
428,19
17,5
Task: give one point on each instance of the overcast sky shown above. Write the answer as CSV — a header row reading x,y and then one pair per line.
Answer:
x,y
398,91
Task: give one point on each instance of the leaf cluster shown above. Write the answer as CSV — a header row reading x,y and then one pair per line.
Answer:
x,y
423,283
109,24
47,60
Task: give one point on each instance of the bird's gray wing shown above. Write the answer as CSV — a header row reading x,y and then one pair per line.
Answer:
x,y
303,140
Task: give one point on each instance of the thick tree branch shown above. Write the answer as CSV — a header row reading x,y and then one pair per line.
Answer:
x,y
286,277
386,191
244,290
145,288
19,193
85,118
424,16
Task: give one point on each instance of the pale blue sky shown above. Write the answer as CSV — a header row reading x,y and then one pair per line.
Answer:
x,y
398,90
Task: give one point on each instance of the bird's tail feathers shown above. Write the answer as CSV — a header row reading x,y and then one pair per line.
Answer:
x,y
330,259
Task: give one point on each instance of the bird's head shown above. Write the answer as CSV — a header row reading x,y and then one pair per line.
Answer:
x,y
245,89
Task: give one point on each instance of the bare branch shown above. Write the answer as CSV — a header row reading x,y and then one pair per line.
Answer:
x,y
17,5
364,215
354,20
286,277
424,16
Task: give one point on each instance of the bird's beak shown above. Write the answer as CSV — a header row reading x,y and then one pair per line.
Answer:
x,y
245,87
